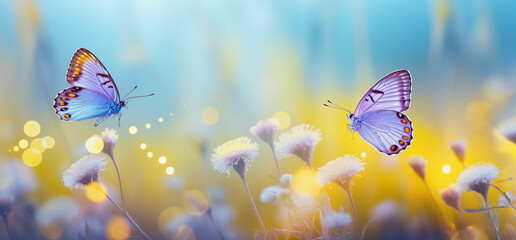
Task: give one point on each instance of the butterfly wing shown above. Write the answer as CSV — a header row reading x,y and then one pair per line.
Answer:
x,y
78,103
392,92
388,131
86,71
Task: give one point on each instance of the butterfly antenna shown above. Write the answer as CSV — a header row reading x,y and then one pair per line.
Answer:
x,y
335,106
130,92
148,95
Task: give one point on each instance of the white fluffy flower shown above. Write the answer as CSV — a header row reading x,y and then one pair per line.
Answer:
x,y
58,209
418,163
83,172
340,171
266,130
16,178
451,196
508,130
273,194
237,153
477,178
300,141
110,138
459,148
337,220
286,180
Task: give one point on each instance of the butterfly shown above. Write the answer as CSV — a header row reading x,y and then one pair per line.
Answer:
x,y
93,93
379,117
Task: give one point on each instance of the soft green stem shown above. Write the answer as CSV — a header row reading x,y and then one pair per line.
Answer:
x,y
119,182
126,214
253,205
305,218
355,234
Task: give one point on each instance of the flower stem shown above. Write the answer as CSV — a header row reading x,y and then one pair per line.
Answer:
x,y
497,234
214,225
119,182
4,216
275,159
354,213
463,218
127,216
445,223
252,204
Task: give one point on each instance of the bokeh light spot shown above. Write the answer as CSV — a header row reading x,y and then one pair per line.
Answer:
x,y
133,130
150,154
32,157
118,228
94,144
446,169
52,231
16,148
48,142
304,182
143,146
210,116
170,170
162,160
184,233
363,154
195,202
283,119
166,216
160,119
148,126
23,143
95,192
37,144
31,128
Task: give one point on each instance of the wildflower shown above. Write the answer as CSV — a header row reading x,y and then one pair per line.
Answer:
x,y
508,130
83,172
286,180
340,171
266,130
271,194
110,138
502,200
418,163
477,178
300,141
337,220
459,148
237,153
451,196
58,209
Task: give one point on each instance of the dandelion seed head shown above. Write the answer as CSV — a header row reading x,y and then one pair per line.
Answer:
x,y
109,137
232,152
300,141
83,172
273,194
477,178
265,130
451,196
286,180
418,163
459,148
337,220
340,171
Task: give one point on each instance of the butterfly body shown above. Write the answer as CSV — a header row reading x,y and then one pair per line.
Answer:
x,y
93,93
379,118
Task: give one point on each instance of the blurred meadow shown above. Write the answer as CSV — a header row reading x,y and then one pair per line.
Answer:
x,y
219,67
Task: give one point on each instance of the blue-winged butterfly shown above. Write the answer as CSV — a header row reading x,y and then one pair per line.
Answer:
x,y
378,117
93,93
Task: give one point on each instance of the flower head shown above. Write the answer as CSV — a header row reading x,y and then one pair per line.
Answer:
x,y
266,130
273,194
83,172
286,180
340,171
459,148
337,220
237,153
418,163
477,178
110,138
451,196
300,141
508,130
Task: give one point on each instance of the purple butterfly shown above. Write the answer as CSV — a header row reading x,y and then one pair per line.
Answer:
x,y
378,117
94,93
